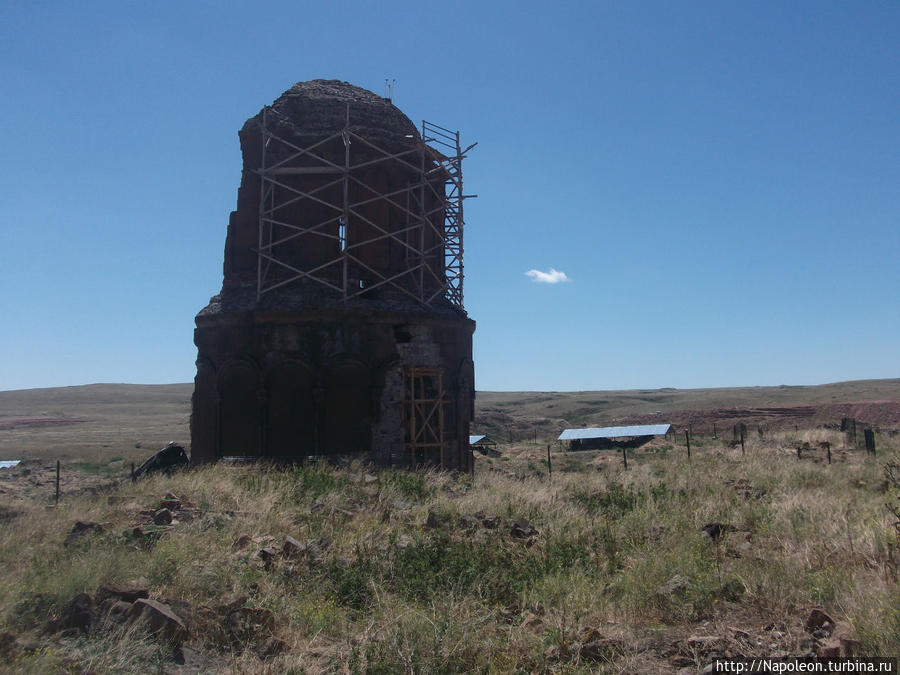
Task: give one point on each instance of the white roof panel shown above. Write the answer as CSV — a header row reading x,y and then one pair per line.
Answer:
x,y
614,432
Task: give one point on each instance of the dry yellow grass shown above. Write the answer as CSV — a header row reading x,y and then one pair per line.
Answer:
x,y
404,576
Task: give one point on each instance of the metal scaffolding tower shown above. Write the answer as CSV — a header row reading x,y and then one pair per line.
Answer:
x,y
341,191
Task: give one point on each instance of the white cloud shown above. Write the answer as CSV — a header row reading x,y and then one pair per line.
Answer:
x,y
551,277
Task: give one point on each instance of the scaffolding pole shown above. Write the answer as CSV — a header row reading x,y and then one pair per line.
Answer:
x,y
429,205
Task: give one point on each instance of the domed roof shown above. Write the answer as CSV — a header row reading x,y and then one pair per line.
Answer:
x,y
319,108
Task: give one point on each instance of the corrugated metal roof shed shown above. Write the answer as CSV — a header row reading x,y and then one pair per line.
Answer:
x,y
614,432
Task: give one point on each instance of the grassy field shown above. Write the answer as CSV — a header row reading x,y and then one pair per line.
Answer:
x,y
423,572
93,423
428,573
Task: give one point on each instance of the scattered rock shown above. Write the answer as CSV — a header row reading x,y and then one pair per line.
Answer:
x,y
715,531
268,555
490,522
117,610
369,478
158,619
522,529
162,517
128,593
818,619
242,541
82,529
77,615
292,548
172,503
166,460
850,646
830,649
677,585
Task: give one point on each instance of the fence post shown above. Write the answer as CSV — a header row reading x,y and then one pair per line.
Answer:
x,y
742,440
828,448
549,465
57,481
687,440
625,459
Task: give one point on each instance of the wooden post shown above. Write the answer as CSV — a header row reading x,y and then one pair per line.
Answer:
x,y
549,465
57,481
625,458
798,451
132,472
742,440
828,449
715,433
687,440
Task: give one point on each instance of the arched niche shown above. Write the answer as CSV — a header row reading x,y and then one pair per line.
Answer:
x,y
240,418
290,410
347,416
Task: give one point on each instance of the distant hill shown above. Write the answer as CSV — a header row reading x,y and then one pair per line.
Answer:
x,y
132,420
518,415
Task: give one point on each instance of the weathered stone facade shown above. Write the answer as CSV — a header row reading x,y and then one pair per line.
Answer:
x,y
304,368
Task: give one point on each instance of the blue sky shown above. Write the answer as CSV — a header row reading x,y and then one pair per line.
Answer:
x,y
717,180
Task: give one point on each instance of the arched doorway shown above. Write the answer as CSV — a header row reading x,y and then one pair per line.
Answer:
x,y
290,411
239,410
347,416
